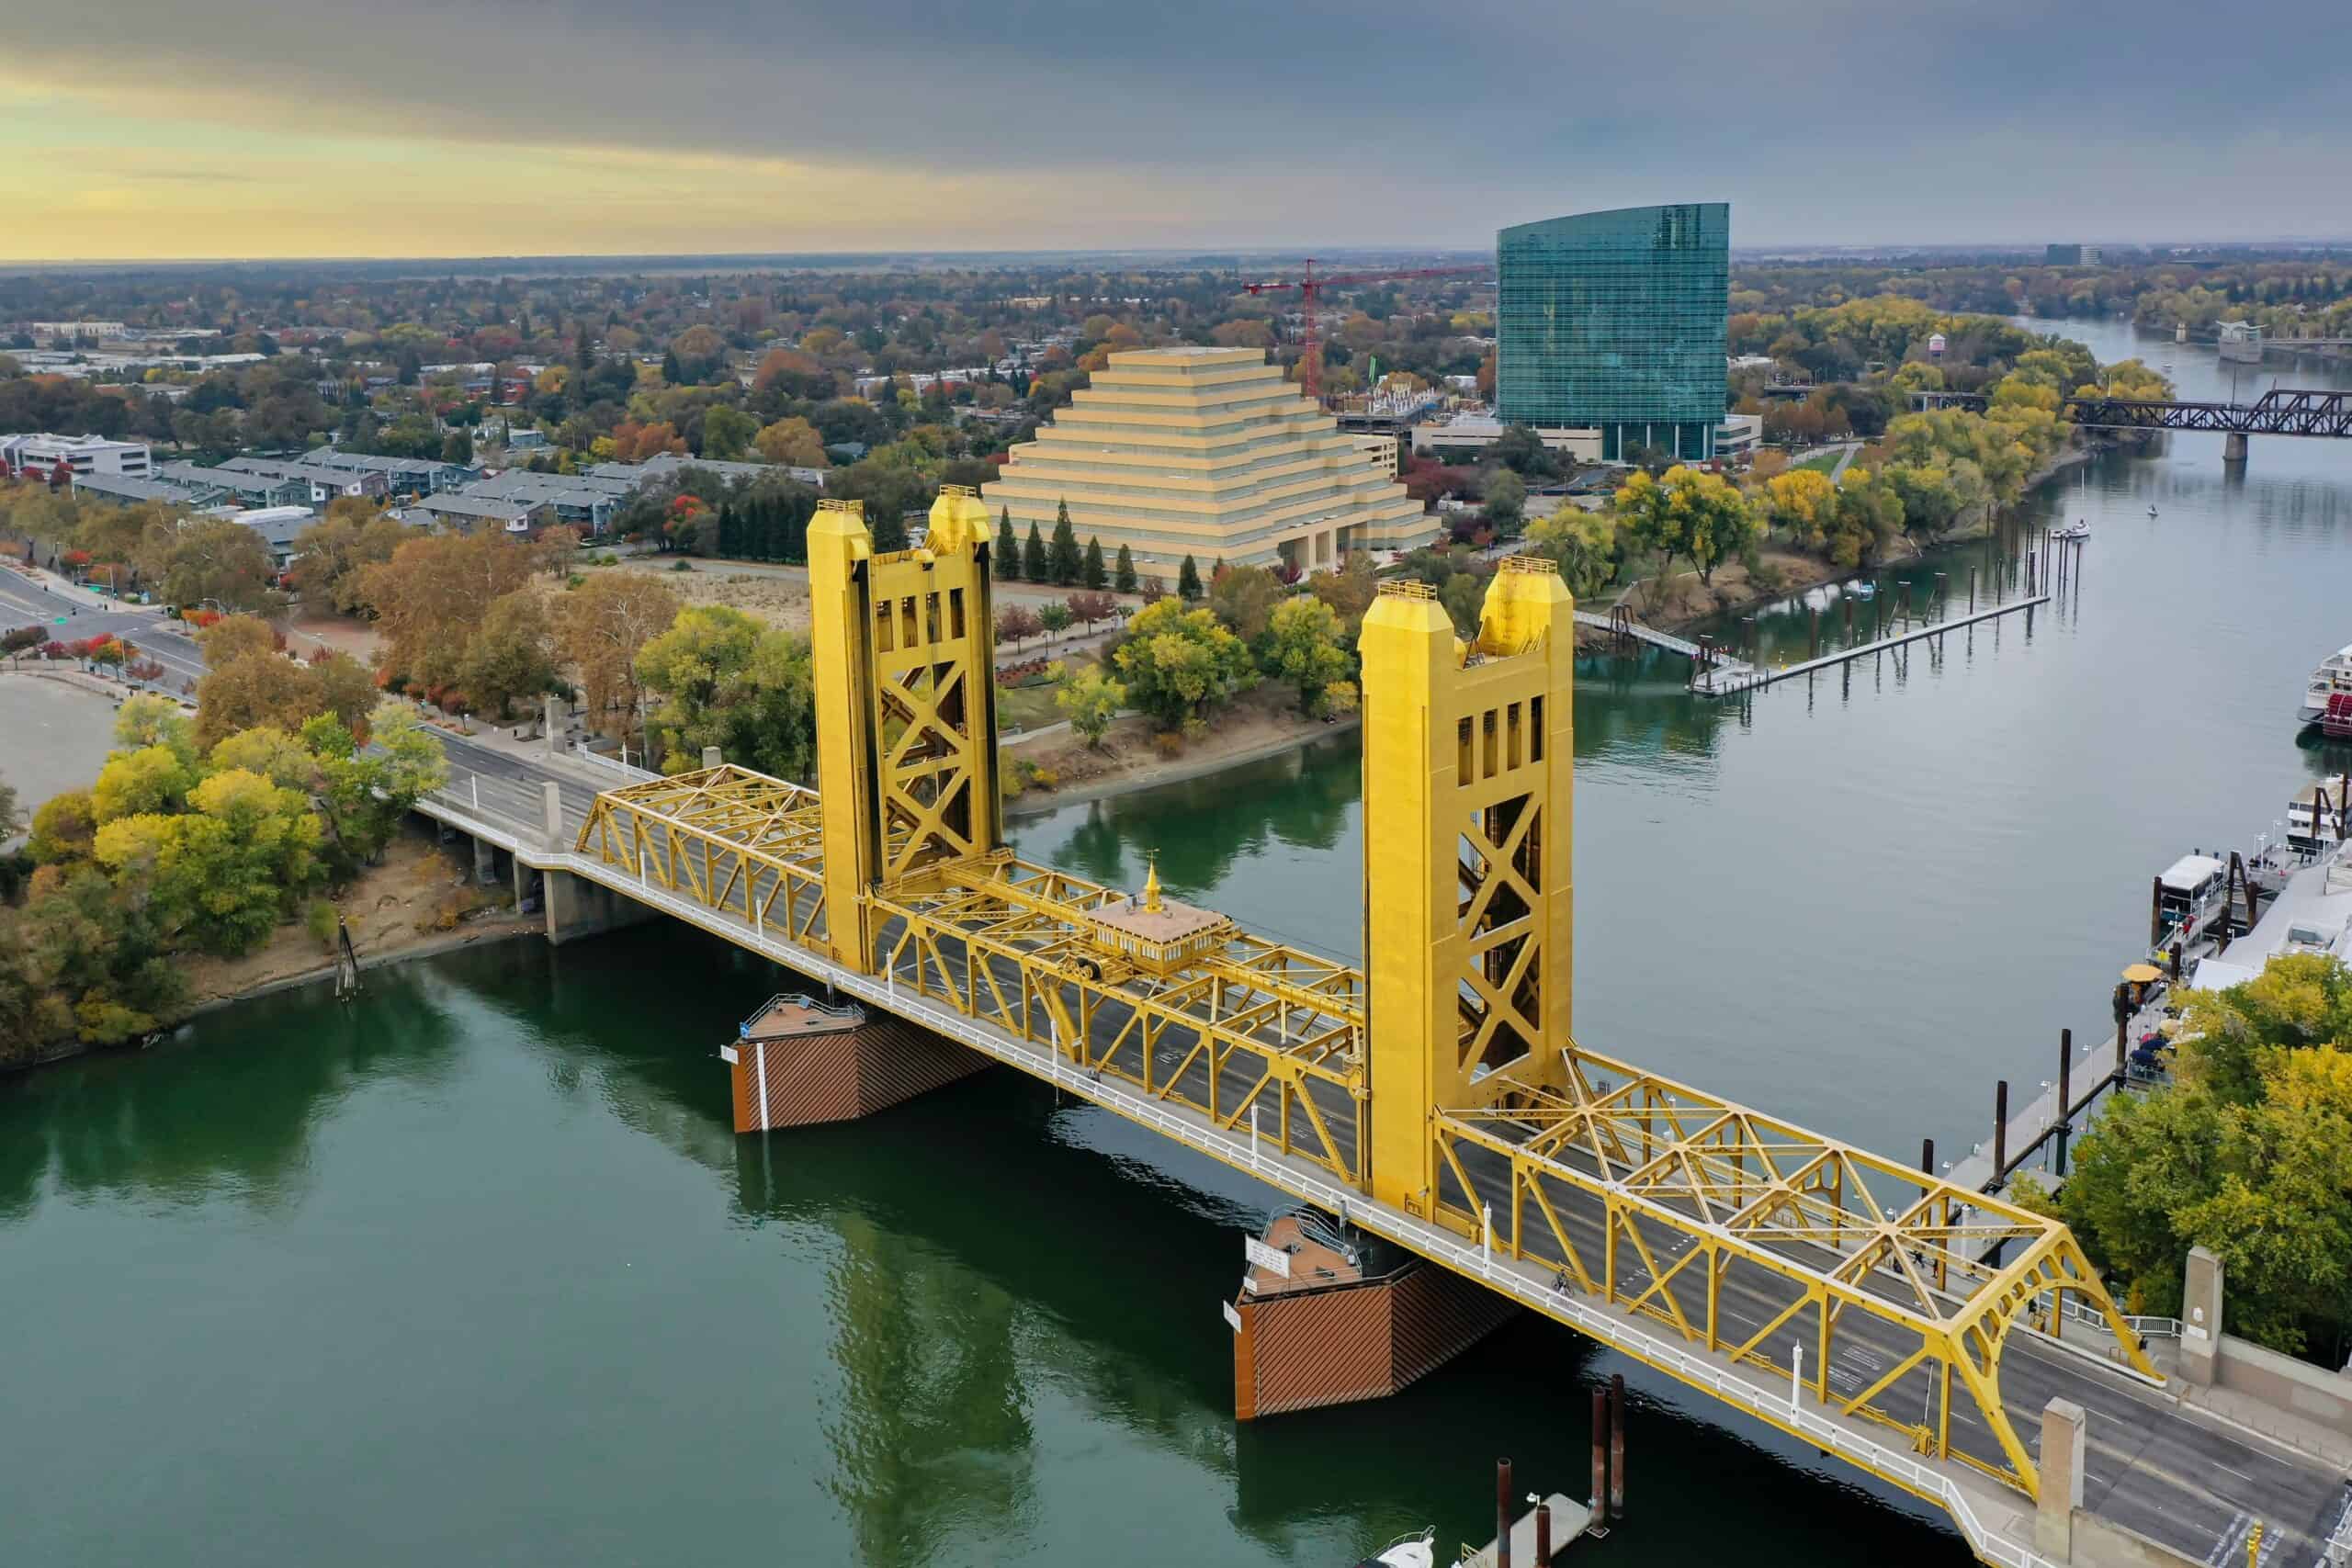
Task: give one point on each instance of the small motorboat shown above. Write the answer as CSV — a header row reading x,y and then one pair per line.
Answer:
x,y
1406,1552
2152,512
2077,529
1865,589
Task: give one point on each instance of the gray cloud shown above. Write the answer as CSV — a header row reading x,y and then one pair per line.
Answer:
x,y
1822,120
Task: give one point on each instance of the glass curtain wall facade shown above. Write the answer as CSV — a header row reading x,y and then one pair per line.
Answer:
x,y
1614,320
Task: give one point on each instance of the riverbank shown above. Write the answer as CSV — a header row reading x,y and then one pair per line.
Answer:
x,y
1260,724
416,902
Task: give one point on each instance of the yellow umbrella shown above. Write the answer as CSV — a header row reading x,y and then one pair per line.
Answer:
x,y
2140,973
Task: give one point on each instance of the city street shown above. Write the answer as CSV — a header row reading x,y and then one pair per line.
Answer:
x,y
69,615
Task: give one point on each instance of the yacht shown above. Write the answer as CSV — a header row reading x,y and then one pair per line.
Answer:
x,y
2328,696
2077,529
2317,814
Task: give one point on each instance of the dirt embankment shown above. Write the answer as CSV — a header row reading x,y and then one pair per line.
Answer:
x,y
1260,723
420,899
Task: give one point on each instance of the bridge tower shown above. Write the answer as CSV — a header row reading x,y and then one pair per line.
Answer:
x,y
903,642
1467,769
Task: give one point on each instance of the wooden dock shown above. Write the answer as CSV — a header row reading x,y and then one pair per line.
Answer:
x,y
1719,676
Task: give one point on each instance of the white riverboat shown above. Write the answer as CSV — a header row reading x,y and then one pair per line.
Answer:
x,y
2330,682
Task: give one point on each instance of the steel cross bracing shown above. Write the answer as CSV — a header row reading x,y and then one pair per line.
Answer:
x,y
1741,1232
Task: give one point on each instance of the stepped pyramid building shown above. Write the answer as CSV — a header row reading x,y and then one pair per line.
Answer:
x,y
1207,452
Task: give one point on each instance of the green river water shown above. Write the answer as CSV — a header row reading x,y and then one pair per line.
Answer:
x,y
475,1271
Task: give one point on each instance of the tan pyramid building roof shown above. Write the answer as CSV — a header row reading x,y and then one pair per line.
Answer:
x,y
1206,452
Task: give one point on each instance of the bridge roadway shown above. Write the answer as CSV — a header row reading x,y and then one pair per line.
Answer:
x,y
2176,1474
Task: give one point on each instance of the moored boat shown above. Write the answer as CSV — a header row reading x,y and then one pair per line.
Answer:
x,y
2331,681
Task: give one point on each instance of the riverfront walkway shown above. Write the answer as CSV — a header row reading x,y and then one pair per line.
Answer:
x,y
1665,1219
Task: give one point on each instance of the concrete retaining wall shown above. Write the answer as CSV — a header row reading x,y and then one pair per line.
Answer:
x,y
2311,1392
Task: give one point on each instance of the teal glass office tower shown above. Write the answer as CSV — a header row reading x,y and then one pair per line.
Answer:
x,y
1615,321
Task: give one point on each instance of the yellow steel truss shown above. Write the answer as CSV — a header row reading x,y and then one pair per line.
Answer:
x,y
1648,1192
1738,1230
1255,1034
726,837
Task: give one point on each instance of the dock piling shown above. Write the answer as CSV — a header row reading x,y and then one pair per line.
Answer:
x,y
1502,1513
1617,1445
1972,589
2000,1129
1927,1156
2065,1097
1812,647
1544,1534
1599,1456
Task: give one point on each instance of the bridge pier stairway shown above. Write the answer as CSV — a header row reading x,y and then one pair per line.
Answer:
x,y
800,1062
1324,1320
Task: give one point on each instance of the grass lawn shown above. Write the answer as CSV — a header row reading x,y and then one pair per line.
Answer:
x,y
1820,462
1026,707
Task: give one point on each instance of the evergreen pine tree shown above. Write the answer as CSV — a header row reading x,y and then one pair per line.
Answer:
x,y
1188,580
1094,574
731,531
1124,577
671,375
1006,558
1032,557
1064,558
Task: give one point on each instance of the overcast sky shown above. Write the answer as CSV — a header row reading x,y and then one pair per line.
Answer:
x,y
425,127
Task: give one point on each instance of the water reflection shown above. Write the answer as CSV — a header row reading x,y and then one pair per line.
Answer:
x,y
187,1121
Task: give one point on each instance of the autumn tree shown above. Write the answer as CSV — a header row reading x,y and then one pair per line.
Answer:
x,y
237,636
1089,608
1089,698
734,682
507,657
1016,624
331,553
434,592
1179,663
1349,590
1244,598
1303,648
600,627
259,688
793,441
198,559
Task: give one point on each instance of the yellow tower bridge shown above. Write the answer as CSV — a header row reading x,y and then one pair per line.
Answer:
x,y
1437,1097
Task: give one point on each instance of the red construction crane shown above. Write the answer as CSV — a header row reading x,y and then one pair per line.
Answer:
x,y
1310,292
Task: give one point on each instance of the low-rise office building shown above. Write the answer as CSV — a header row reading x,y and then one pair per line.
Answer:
x,y
1207,453
82,454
